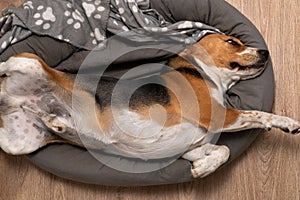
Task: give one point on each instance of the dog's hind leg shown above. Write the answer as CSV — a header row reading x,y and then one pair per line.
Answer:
x,y
206,159
19,141
11,143
63,127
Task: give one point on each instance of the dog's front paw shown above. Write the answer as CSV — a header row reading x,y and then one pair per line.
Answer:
x,y
287,125
293,128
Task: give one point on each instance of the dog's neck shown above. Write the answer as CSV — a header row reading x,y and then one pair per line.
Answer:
x,y
223,78
218,80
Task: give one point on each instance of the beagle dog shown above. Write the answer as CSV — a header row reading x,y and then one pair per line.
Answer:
x,y
177,114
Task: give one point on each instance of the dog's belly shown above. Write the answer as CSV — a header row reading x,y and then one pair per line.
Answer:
x,y
131,136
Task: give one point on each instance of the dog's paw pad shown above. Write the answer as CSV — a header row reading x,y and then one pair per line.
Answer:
x,y
54,124
59,129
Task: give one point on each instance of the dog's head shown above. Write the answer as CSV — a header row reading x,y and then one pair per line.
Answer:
x,y
229,55
229,52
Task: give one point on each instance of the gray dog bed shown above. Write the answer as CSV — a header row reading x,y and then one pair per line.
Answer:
x,y
79,165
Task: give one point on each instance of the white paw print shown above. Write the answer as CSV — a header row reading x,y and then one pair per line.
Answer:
x,y
75,18
97,2
92,10
135,8
28,5
45,17
97,35
89,8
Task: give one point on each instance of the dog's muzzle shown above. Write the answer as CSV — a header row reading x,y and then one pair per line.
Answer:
x,y
263,56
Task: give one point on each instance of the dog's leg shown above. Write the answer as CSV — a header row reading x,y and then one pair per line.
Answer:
x,y
257,119
55,125
63,127
11,143
20,135
207,158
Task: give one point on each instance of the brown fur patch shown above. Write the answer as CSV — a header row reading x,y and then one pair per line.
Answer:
x,y
61,78
220,51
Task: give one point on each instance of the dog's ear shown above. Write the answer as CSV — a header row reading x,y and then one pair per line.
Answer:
x,y
196,51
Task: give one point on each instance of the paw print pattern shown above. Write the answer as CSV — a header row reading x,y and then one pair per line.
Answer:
x,y
93,9
97,36
81,23
74,18
28,5
44,17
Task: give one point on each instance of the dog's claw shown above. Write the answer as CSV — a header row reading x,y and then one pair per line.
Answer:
x,y
285,130
268,128
296,131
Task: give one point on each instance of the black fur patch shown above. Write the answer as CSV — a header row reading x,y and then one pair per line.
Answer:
x,y
137,93
149,94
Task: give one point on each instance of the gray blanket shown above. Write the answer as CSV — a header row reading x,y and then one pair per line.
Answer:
x,y
87,23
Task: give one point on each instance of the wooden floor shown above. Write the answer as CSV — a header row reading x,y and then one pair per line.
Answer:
x,y
269,169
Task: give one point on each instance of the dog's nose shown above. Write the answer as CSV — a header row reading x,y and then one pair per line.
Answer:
x,y
264,54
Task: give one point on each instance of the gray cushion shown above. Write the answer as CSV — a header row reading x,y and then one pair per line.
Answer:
x,y
78,164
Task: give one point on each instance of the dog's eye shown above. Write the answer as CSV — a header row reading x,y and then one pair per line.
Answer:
x,y
232,42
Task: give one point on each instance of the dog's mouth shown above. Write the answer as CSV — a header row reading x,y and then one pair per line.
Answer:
x,y
258,65
248,71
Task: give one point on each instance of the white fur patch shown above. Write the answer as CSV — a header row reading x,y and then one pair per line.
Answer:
x,y
248,50
22,131
221,77
147,139
207,158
